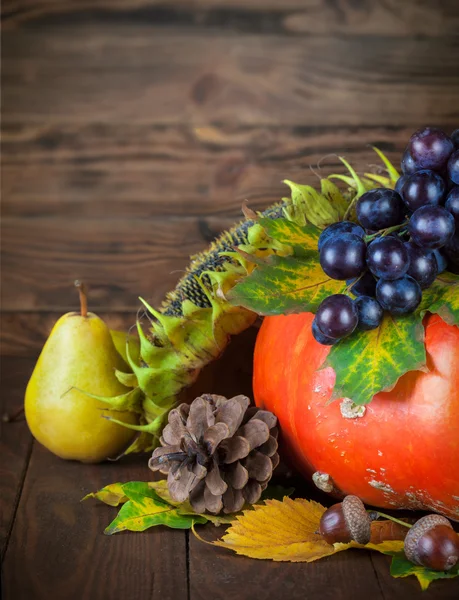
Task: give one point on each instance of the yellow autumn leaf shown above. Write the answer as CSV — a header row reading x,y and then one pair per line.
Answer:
x,y
286,531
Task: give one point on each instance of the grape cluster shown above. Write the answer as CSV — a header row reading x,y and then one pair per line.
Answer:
x,y
403,239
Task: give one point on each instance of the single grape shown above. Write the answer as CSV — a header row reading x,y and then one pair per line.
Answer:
x,y
407,165
451,250
337,316
343,256
320,337
388,258
431,226
399,296
380,208
452,204
423,187
338,228
400,183
423,265
370,313
430,148
365,286
453,167
442,262
455,138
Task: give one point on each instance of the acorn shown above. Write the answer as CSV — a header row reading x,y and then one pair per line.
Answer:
x,y
345,522
432,542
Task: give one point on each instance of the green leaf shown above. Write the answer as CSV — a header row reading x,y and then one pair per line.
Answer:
x,y
144,512
112,494
285,285
275,492
442,298
288,232
368,362
402,567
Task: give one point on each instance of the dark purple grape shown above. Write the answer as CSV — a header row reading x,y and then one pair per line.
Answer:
x,y
455,138
339,228
431,226
423,187
337,316
388,258
423,265
442,262
452,204
430,148
380,208
370,313
343,256
399,296
451,250
365,286
320,337
400,183
453,167
407,165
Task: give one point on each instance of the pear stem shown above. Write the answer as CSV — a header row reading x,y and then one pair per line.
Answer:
x,y
83,297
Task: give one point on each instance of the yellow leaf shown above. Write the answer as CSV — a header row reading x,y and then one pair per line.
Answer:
x,y
112,494
286,531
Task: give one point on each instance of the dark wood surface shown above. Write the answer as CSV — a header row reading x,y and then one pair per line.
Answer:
x,y
132,130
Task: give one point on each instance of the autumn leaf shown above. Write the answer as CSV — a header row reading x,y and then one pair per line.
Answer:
x,y
288,232
442,297
286,285
286,531
370,361
112,494
402,567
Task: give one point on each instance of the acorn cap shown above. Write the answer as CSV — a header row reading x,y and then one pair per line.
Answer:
x,y
416,532
357,519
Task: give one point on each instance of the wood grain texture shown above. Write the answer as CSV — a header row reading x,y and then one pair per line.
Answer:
x,y
119,259
58,549
345,576
365,17
15,442
131,171
81,73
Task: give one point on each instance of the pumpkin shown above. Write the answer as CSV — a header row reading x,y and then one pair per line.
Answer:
x,y
399,451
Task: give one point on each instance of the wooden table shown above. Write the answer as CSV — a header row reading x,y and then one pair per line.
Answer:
x,y
132,132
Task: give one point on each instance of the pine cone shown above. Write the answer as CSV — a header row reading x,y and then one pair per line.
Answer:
x,y
217,453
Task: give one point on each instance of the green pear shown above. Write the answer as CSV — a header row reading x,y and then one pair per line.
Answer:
x,y
79,356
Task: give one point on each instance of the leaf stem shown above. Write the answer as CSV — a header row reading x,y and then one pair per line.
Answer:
x,y
394,519
384,232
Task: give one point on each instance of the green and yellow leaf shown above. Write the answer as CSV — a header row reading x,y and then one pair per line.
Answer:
x,y
143,512
286,531
402,567
285,285
368,362
442,298
288,232
112,494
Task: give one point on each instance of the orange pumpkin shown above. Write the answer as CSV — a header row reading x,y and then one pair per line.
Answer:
x,y
403,452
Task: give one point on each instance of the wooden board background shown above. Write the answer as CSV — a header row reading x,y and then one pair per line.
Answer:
x,y
132,131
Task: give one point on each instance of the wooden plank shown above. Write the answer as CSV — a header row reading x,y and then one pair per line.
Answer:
x,y
128,170
341,577
15,442
58,549
81,73
119,259
290,16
